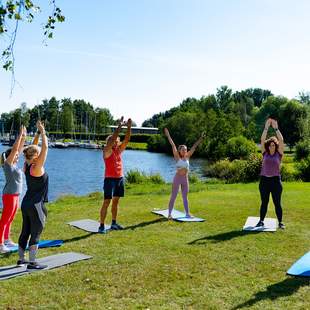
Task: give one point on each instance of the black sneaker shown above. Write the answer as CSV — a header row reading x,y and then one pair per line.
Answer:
x,y
22,262
116,227
35,266
260,224
281,225
102,230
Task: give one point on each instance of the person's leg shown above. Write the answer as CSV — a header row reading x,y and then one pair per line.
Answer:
x,y
185,189
174,193
6,215
7,230
37,223
264,189
276,197
118,192
103,210
108,191
115,201
24,236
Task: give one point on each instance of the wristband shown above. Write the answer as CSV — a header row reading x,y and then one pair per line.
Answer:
x,y
276,129
38,132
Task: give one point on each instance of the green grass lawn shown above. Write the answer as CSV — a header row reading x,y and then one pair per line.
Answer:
x,y
159,264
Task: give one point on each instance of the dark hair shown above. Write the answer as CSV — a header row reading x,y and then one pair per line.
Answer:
x,y
269,141
5,155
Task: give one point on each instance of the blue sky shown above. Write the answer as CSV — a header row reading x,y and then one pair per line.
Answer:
x,y
141,57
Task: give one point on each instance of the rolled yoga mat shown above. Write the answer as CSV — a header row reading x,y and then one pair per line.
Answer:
x,y
53,261
42,244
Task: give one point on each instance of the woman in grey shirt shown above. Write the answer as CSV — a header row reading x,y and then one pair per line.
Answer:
x,y
11,190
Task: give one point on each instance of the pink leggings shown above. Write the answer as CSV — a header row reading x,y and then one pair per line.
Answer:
x,y
10,205
177,181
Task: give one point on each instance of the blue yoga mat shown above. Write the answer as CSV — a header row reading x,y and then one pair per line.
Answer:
x,y
301,268
42,244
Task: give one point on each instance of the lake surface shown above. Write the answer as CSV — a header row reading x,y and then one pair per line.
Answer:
x,y
80,171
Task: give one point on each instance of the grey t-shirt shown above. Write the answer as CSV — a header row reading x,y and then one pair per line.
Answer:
x,y
14,179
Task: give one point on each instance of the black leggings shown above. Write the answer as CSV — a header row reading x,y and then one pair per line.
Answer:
x,y
33,223
271,185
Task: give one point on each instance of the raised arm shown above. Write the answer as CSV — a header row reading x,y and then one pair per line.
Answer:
x,y
275,126
38,169
17,146
110,142
127,136
264,135
174,149
193,148
35,140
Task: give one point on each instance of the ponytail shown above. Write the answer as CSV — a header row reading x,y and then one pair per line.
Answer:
x,y
4,156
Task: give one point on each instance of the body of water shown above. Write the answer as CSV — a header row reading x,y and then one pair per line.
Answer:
x,y
81,171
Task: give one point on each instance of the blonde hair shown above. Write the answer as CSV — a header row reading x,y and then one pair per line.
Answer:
x,y
30,151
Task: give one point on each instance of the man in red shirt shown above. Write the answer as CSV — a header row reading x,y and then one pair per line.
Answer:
x,y
114,177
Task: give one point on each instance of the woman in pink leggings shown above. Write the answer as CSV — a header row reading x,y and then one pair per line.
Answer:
x,y
11,190
181,156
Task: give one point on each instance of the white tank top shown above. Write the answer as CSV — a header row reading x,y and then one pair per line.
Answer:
x,y
181,164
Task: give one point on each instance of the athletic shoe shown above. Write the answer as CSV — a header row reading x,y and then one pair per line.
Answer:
x,y
260,224
189,216
35,266
281,225
22,262
10,243
102,230
4,249
116,227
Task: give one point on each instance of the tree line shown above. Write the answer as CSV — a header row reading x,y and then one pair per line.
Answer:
x,y
60,116
226,115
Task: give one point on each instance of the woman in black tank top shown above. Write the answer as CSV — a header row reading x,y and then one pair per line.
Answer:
x,y
33,210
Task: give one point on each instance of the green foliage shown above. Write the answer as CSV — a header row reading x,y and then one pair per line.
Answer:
x,y
157,143
303,168
237,170
193,178
289,173
302,150
137,177
240,148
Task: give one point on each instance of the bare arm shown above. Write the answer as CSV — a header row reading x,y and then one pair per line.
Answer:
x,y
36,136
108,147
16,149
22,141
174,149
264,135
193,148
38,168
127,136
279,136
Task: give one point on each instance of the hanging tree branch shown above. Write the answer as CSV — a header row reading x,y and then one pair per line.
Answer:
x,y
12,12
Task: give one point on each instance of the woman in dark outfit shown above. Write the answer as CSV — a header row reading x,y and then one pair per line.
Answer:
x,y
270,182
33,210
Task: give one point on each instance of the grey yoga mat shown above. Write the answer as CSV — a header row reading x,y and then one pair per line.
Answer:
x,y
53,261
88,225
269,224
178,216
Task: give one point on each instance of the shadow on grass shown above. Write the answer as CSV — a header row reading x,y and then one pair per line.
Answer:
x,y
77,238
222,237
285,288
143,224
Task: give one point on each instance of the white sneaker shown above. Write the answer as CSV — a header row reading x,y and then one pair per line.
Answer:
x,y
10,243
4,249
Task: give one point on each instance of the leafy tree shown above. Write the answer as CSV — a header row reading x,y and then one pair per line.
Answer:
x,y
291,118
